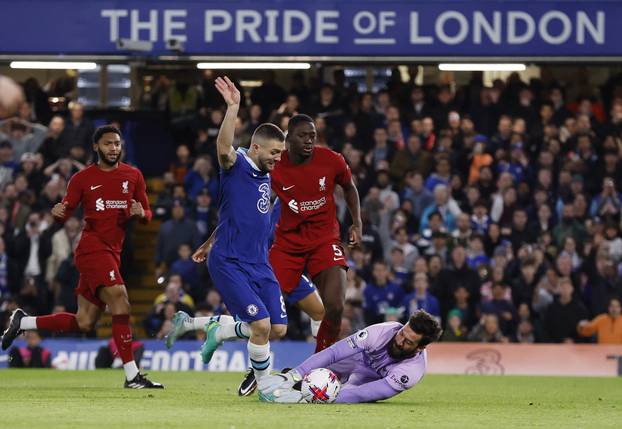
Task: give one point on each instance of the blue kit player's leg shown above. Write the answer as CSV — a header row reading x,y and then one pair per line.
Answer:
x,y
306,297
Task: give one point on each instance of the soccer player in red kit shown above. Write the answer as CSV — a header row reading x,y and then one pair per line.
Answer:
x,y
307,236
111,192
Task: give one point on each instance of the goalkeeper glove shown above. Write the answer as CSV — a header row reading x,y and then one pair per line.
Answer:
x,y
268,384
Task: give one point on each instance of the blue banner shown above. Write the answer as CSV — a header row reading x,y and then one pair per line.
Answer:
x,y
184,356
319,28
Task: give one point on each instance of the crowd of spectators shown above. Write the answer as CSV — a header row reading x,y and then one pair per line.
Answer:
x,y
495,208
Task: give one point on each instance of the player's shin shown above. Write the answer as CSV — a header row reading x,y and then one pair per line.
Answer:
x,y
233,331
315,327
59,322
198,323
122,334
259,356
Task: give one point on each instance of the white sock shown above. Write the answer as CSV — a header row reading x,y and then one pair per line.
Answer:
x,y
131,370
198,323
28,323
233,331
260,359
315,327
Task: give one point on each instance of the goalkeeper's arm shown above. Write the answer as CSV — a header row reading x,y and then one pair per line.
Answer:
x,y
368,392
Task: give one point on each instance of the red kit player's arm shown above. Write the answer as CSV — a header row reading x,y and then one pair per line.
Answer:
x,y
73,197
140,195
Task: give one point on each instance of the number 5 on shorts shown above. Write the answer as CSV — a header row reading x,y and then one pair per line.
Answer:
x,y
338,252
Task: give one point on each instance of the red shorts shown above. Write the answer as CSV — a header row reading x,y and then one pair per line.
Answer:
x,y
289,266
97,270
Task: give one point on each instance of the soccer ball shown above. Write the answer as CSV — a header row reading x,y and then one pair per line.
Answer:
x,y
320,386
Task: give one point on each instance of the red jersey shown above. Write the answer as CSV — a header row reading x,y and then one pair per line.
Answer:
x,y
106,198
308,212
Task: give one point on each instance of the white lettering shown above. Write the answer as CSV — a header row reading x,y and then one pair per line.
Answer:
x,y
151,25
439,27
237,362
161,361
481,24
219,361
387,19
415,38
114,15
180,361
271,36
359,19
322,26
170,24
198,361
243,26
597,31
288,19
543,27
211,25
513,17
145,361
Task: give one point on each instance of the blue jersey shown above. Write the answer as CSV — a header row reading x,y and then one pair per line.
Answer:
x,y
275,215
244,212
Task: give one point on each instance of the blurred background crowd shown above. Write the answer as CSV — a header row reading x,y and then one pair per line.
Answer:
x,y
496,208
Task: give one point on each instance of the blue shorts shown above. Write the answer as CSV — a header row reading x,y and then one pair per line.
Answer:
x,y
250,291
304,289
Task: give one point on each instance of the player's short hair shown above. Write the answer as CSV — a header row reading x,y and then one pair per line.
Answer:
x,y
296,120
268,131
99,132
424,324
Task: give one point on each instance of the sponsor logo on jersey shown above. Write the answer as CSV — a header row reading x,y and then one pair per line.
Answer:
x,y
95,187
323,183
307,206
293,205
101,205
400,381
351,343
112,277
252,310
124,186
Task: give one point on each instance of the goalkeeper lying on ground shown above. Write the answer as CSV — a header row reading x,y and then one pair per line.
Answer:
x,y
373,364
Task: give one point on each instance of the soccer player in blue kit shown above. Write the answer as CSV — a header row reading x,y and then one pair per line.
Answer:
x,y
238,259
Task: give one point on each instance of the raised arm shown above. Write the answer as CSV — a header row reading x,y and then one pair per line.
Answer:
x,y
224,141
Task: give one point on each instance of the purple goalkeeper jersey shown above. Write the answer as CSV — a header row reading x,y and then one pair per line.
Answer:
x,y
364,366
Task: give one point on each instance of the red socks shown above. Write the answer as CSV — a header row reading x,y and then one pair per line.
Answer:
x,y
59,322
327,335
122,334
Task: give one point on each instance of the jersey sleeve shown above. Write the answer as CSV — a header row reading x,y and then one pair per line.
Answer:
x,y
140,195
340,350
405,375
369,392
343,174
73,195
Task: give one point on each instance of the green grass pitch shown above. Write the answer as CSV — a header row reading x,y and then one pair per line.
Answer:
x,y
94,399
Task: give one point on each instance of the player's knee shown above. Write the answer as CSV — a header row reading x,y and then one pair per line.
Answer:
x,y
85,324
278,331
261,329
317,314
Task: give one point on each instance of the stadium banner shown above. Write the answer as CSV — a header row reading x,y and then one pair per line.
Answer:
x,y
443,358
526,359
428,28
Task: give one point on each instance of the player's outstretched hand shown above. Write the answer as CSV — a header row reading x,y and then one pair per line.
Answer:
x,y
354,236
228,91
283,396
58,210
267,385
136,209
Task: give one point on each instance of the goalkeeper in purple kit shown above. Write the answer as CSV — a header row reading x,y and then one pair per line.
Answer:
x,y
375,363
